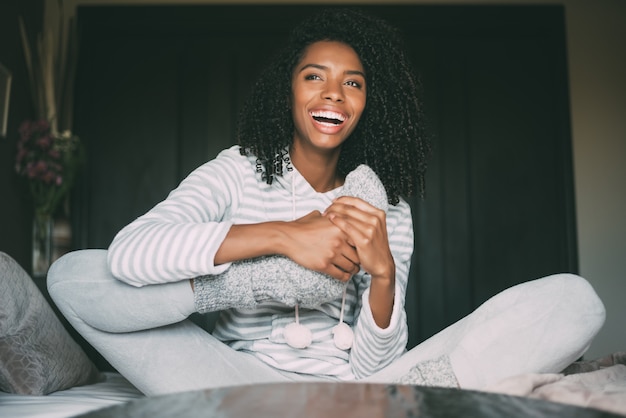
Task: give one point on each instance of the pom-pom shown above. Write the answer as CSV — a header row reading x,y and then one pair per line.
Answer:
x,y
343,336
298,336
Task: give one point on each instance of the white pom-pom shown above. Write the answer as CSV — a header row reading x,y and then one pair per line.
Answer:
x,y
298,336
343,336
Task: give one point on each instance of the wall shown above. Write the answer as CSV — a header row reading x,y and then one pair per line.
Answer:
x,y
596,37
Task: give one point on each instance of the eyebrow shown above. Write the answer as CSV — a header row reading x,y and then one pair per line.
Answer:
x,y
325,68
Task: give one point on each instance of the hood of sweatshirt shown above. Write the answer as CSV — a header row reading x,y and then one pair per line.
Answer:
x,y
293,183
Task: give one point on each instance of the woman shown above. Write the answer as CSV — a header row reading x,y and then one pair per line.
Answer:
x,y
341,94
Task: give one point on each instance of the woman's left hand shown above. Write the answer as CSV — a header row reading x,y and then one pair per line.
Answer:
x,y
366,227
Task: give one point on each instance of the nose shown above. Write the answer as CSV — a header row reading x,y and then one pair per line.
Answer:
x,y
333,91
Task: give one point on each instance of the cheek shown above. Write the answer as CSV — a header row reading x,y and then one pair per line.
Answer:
x,y
298,100
359,107
298,114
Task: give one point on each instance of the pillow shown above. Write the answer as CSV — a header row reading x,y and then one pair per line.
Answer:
x,y
37,354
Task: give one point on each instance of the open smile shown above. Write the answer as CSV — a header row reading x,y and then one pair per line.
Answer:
x,y
328,117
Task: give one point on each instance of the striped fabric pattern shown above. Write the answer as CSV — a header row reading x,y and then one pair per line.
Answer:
x,y
179,237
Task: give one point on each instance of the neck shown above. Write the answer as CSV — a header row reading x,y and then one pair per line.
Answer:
x,y
319,170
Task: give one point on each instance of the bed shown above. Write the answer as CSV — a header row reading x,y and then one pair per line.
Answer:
x,y
112,389
45,373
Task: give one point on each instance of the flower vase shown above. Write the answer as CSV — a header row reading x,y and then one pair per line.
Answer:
x,y
42,243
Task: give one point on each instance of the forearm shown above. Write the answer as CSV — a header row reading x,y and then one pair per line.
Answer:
x,y
381,299
151,252
251,241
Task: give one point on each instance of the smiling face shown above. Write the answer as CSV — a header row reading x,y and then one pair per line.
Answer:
x,y
328,96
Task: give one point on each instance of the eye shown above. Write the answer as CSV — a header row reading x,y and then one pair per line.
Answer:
x,y
353,83
312,77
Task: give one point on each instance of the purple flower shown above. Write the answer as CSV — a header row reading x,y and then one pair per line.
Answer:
x,y
48,161
44,142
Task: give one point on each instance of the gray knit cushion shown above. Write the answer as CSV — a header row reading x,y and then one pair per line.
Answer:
x,y
37,354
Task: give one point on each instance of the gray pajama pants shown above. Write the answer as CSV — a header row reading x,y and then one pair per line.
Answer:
x,y
539,326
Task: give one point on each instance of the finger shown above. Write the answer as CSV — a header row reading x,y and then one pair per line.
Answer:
x,y
356,230
371,215
349,252
357,203
348,215
346,265
338,273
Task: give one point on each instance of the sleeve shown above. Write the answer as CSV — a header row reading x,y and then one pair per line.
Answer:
x,y
179,237
375,348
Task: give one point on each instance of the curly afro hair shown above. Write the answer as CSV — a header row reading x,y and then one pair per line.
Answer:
x,y
390,136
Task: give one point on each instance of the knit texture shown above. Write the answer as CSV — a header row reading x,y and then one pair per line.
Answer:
x,y
249,282
436,372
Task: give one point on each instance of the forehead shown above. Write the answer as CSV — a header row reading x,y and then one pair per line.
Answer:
x,y
331,53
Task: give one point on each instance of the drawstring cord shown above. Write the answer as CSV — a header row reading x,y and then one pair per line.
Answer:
x,y
296,335
299,336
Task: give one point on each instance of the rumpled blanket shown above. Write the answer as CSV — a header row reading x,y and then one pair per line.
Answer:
x,y
599,384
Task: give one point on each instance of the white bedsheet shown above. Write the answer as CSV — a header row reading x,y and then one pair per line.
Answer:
x,y
68,403
603,389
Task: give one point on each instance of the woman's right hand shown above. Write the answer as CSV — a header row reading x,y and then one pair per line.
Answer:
x,y
317,244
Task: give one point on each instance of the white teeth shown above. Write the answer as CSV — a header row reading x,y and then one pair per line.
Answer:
x,y
327,114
